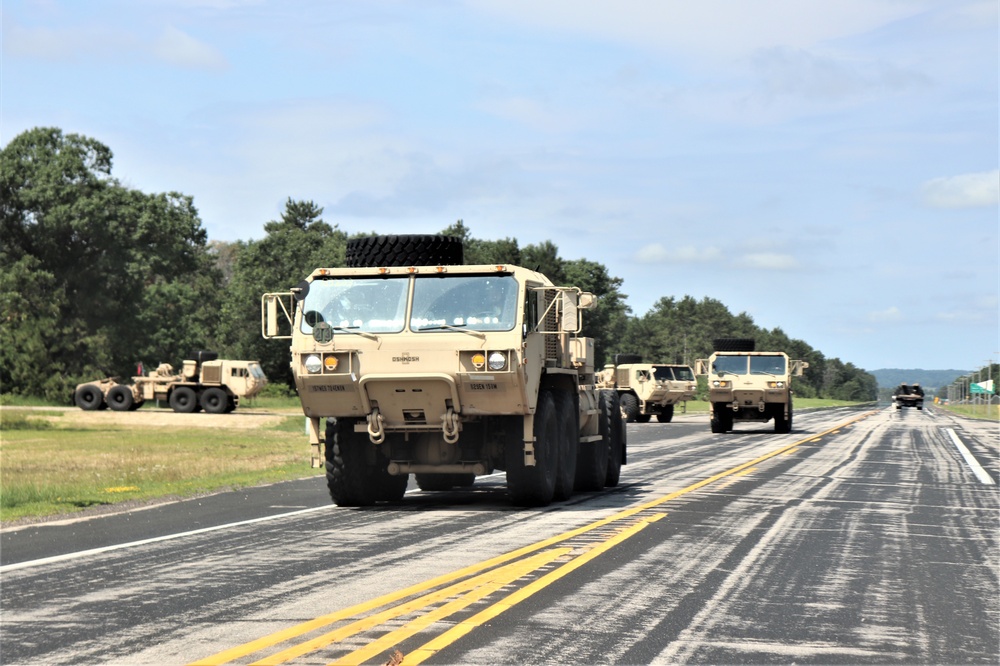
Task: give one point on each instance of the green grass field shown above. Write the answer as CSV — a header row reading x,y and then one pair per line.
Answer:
x,y
51,464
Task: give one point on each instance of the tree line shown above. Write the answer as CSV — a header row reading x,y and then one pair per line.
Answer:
x,y
96,277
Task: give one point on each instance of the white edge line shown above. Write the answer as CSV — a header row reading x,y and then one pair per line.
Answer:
x,y
977,469
168,537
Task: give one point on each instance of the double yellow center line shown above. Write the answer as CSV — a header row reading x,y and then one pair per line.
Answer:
x,y
453,592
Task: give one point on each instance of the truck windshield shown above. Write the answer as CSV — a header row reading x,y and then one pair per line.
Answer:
x,y
730,365
684,374
476,303
663,373
767,365
373,305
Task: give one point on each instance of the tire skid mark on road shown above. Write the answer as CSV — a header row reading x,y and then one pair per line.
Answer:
x,y
608,531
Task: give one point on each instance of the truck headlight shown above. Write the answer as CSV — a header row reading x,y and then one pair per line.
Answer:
x,y
497,361
720,383
313,364
776,384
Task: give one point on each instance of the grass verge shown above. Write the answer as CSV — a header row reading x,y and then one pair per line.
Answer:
x,y
51,468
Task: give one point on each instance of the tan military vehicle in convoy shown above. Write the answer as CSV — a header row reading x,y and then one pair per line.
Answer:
x,y
421,365
648,389
205,382
747,385
907,395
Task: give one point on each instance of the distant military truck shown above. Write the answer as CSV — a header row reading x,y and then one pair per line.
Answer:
x,y
747,385
205,382
648,389
907,395
422,365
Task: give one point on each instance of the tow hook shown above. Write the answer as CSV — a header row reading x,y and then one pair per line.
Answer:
x,y
450,426
376,428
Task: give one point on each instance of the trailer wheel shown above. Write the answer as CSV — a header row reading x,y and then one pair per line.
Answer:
x,y
404,250
535,485
667,415
89,398
183,399
568,417
120,398
630,405
214,400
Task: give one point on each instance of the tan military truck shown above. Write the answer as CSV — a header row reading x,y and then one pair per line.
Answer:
x,y
205,382
647,389
421,365
747,385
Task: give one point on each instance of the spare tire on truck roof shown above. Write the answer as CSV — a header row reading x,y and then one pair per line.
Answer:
x,y
404,250
623,359
734,344
201,356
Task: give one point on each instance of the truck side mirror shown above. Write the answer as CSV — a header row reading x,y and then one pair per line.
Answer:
x,y
271,305
570,312
701,366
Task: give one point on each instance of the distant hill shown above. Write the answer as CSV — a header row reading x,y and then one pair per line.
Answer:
x,y
929,379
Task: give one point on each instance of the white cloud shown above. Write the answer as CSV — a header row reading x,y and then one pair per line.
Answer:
x,y
656,253
771,261
969,190
181,49
891,314
716,29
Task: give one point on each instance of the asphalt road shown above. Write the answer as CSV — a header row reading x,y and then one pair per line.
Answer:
x,y
861,537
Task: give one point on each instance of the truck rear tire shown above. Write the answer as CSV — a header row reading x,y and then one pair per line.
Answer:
x,y
183,400
616,439
667,415
120,398
630,405
535,486
568,418
214,400
404,250
89,398
593,457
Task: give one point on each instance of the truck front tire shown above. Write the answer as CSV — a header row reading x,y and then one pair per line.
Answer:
x,y
535,485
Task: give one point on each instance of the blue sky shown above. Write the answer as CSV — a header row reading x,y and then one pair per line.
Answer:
x,y
830,168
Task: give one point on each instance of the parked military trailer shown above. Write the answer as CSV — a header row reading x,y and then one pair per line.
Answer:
x,y
205,382
646,390
747,385
421,365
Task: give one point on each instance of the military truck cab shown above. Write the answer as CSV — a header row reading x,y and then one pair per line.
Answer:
x,y
747,385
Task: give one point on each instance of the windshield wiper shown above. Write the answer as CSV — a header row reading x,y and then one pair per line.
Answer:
x,y
356,331
449,327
